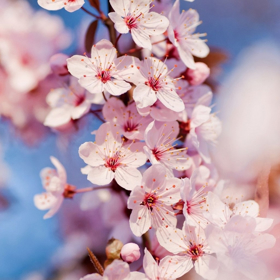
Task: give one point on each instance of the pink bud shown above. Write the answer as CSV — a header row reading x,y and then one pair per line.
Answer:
x,y
58,64
198,75
130,252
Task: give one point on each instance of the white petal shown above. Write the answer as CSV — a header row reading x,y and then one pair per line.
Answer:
x,y
58,117
144,96
91,154
140,220
120,25
101,175
207,267
128,177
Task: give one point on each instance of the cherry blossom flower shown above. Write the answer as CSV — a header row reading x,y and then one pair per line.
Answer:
x,y
180,33
55,184
103,71
204,131
134,17
159,271
109,157
198,75
151,201
220,213
68,103
192,250
159,138
68,5
118,270
155,83
130,252
236,246
125,118
194,201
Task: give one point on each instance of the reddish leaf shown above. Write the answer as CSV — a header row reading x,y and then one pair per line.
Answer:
x,y
89,40
95,4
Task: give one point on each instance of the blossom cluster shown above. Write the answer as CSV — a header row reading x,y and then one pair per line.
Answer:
x,y
154,149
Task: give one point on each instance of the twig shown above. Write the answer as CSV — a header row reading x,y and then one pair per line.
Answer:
x,y
91,189
90,13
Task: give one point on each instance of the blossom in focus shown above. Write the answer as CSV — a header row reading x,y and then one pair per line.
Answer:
x,y
159,271
160,147
237,246
110,157
151,201
194,201
68,5
155,83
180,33
191,246
103,71
118,270
134,17
130,252
67,103
55,184
126,118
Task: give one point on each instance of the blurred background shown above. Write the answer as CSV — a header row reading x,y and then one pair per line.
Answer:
x,y
32,248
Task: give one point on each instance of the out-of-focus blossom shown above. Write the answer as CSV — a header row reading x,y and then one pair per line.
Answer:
x,y
55,184
159,138
250,137
68,5
151,201
103,71
118,270
180,33
67,103
130,252
126,118
155,83
22,43
109,157
204,131
198,75
58,64
134,17
236,247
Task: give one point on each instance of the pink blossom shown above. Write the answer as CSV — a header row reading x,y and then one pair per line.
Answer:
x,y
180,33
198,75
193,251
159,271
130,252
68,5
204,131
159,138
134,17
54,182
151,201
194,201
68,103
155,83
220,213
236,247
118,270
58,64
125,118
103,71
110,157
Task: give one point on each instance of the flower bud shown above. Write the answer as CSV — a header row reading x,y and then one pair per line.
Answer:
x,y
130,252
113,249
58,64
198,75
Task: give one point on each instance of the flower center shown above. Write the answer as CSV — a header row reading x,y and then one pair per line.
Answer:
x,y
195,251
131,21
104,76
79,100
176,35
154,83
149,200
113,162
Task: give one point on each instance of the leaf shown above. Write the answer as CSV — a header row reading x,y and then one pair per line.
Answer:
x,y
95,4
89,39
95,262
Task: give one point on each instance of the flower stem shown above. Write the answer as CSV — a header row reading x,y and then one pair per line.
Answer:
x,y
90,13
91,189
